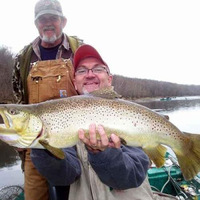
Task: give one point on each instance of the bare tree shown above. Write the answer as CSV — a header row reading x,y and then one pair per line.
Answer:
x,y
6,66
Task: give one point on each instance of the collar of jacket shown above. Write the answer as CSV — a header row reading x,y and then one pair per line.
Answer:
x,y
35,45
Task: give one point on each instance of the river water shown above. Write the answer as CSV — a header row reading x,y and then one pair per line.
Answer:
x,y
184,112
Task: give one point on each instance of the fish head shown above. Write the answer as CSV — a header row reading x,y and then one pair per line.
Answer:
x,y
21,127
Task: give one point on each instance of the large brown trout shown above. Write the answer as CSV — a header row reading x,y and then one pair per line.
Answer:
x,y
54,125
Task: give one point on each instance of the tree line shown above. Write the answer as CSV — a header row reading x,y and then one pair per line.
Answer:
x,y
141,88
6,66
128,87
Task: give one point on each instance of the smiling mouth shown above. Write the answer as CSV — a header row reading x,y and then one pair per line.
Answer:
x,y
47,30
91,83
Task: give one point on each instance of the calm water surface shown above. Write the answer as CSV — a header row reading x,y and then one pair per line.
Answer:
x,y
183,112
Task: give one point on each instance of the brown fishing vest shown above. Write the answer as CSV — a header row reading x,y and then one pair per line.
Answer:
x,y
50,79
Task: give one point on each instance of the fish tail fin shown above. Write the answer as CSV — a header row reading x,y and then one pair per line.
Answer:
x,y
156,154
190,161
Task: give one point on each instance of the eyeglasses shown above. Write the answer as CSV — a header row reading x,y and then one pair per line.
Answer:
x,y
95,70
44,20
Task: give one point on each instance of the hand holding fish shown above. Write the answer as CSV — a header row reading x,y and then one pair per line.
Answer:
x,y
96,145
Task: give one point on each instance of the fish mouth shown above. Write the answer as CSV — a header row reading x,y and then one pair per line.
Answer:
x,y
11,137
20,129
6,127
6,120
8,136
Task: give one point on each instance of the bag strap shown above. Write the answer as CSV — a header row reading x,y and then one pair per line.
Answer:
x,y
24,62
74,42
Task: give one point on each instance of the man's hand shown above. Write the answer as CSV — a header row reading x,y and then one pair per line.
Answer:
x,y
98,139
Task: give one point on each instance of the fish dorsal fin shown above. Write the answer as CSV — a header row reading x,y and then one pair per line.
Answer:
x,y
107,93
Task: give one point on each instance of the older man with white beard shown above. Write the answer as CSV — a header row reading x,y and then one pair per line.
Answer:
x,y
43,71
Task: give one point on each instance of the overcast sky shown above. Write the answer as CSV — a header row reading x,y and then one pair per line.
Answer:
x,y
152,39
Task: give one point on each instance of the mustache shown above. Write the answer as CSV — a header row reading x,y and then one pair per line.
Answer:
x,y
49,28
91,79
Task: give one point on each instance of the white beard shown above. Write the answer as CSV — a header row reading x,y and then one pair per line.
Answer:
x,y
50,40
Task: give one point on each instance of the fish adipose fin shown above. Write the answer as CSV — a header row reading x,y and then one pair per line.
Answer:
x,y
107,93
156,154
190,161
58,153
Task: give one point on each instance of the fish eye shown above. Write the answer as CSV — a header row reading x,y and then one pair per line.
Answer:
x,y
13,111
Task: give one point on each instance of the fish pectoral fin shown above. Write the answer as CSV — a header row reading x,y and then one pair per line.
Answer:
x,y
156,154
58,153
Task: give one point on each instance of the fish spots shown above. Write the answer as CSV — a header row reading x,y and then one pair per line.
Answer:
x,y
120,115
